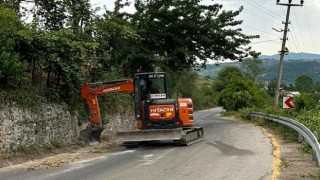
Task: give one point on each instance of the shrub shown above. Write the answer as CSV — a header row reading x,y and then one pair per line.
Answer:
x,y
304,101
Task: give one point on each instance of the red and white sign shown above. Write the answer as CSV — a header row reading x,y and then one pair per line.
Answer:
x,y
288,103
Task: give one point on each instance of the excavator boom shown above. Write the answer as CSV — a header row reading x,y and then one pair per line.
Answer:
x,y
93,132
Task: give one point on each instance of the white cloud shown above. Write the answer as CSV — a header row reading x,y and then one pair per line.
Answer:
x,y
314,3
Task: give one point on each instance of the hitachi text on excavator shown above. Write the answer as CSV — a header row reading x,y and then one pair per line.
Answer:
x,y
158,117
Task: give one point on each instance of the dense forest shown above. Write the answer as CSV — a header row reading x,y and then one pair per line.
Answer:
x,y
66,43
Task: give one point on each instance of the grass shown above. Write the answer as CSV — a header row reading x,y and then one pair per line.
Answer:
x,y
284,163
21,98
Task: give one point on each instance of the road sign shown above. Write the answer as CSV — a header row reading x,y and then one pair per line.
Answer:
x,y
288,103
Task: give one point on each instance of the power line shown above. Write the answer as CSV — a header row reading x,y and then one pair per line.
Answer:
x,y
252,13
302,39
257,16
295,45
270,40
267,11
259,30
309,29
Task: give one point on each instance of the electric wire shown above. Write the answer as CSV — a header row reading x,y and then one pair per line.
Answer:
x,y
304,46
294,38
257,16
252,13
265,32
270,40
295,46
267,11
305,11
293,35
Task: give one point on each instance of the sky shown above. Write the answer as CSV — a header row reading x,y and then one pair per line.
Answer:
x,y
261,17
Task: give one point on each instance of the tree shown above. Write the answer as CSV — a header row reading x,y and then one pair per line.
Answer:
x,y
235,91
304,83
12,4
11,68
252,68
80,14
179,80
181,32
50,14
305,101
225,76
119,46
317,86
271,87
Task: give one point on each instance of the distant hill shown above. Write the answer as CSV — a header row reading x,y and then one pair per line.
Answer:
x,y
292,56
291,70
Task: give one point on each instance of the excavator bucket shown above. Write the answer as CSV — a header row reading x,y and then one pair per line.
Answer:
x,y
91,135
138,136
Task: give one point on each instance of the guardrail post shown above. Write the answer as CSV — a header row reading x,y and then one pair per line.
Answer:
x,y
300,137
314,156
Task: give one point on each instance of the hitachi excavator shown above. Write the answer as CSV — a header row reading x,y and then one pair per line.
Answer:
x,y
158,117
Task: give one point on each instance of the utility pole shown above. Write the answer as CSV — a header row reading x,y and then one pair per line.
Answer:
x,y
284,50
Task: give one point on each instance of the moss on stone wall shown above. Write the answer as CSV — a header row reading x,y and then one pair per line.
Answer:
x,y
21,98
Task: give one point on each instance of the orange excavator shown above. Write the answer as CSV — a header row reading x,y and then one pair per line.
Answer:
x,y
158,117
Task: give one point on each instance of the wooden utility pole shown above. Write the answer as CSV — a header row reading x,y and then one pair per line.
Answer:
x,y
284,50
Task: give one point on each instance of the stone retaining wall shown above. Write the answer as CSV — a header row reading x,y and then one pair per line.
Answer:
x,y
52,124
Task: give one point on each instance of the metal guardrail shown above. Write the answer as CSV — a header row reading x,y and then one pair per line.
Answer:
x,y
300,128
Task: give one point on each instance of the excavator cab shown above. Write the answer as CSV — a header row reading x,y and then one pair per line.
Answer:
x,y
148,87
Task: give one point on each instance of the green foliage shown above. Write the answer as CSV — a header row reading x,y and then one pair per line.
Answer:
x,y
50,13
252,68
178,33
234,100
204,97
119,46
304,83
310,118
226,75
304,101
182,84
237,92
317,86
21,98
11,68
271,87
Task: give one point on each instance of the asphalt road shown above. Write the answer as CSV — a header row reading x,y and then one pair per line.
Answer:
x,y
230,150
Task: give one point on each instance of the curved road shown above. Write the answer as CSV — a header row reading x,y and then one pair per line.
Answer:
x,y
230,150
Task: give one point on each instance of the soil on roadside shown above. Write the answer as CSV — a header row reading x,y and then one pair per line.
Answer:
x,y
50,157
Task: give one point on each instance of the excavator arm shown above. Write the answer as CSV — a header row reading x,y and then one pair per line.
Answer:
x,y
90,92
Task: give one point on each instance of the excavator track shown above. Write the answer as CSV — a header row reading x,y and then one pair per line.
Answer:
x,y
190,136
181,136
